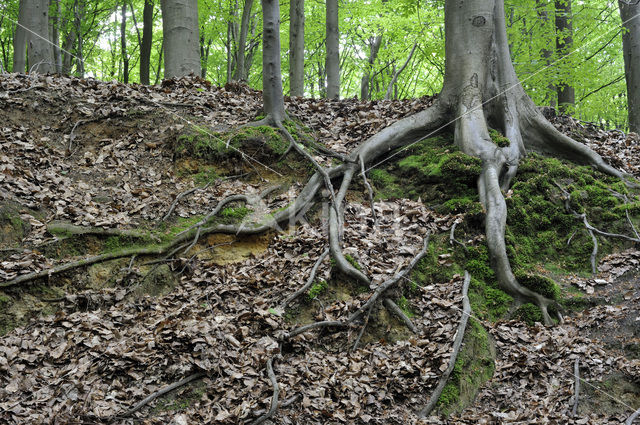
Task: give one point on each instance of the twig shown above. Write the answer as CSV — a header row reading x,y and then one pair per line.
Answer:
x,y
457,343
594,252
369,189
388,283
364,326
309,282
397,311
182,195
163,391
274,397
576,374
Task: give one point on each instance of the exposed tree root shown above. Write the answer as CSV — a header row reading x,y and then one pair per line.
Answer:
x,y
457,343
632,418
370,190
576,388
364,326
307,285
397,311
274,397
452,237
63,227
159,393
182,195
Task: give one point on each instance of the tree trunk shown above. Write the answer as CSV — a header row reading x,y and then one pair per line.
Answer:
x,y
240,72
78,13
55,35
332,64
180,32
564,44
296,48
20,39
272,95
631,51
374,47
123,44
552,91
147,40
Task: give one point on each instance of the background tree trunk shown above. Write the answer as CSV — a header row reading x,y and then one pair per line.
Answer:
x,y
296,48
123,43
272,95
332,63
39,51
147,39
78,13
240,73
20,40
374,48
564,44
55,35
631,51
181,40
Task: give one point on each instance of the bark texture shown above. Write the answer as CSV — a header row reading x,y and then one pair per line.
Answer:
x,y
271,70
296,48
631,51
332,63
240,73
564,44
33,34
181,39
147,39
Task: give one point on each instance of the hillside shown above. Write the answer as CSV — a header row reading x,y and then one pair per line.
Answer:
x,y
120,180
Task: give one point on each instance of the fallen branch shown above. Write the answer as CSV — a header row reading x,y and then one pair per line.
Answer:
x,y
274,397
466,311
163,391
397,311
576,374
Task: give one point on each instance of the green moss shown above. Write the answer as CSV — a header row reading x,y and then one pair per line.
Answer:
x,y
4,299
528,313
498,138
540,284
404,305
235,214
317,289
488,301
353,262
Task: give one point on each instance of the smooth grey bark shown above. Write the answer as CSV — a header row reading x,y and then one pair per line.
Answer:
x,y
272,95
181,38
123,43
564,44
332,63
240,73
631,52
296,48
39,50
20,39
147,40
374,48
78,14
543,14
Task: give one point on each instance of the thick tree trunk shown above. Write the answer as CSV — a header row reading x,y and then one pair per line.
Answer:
x,y
374,48
78,13
543,14
147,40
123,43
272,95
32,33
332,64
240,73
564,44
629,14
20,39
180,32
296,48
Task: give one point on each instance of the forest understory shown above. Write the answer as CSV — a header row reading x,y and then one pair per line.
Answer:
x,y
122,271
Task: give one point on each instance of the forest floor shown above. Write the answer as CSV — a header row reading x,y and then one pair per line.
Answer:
x,y
92,168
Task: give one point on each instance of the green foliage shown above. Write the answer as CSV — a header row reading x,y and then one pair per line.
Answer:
x,y
318,288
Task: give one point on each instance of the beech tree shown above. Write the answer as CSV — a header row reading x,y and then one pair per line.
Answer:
x,y
630,15
564,44
480,91
296,48
31,42
180,29
332,63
